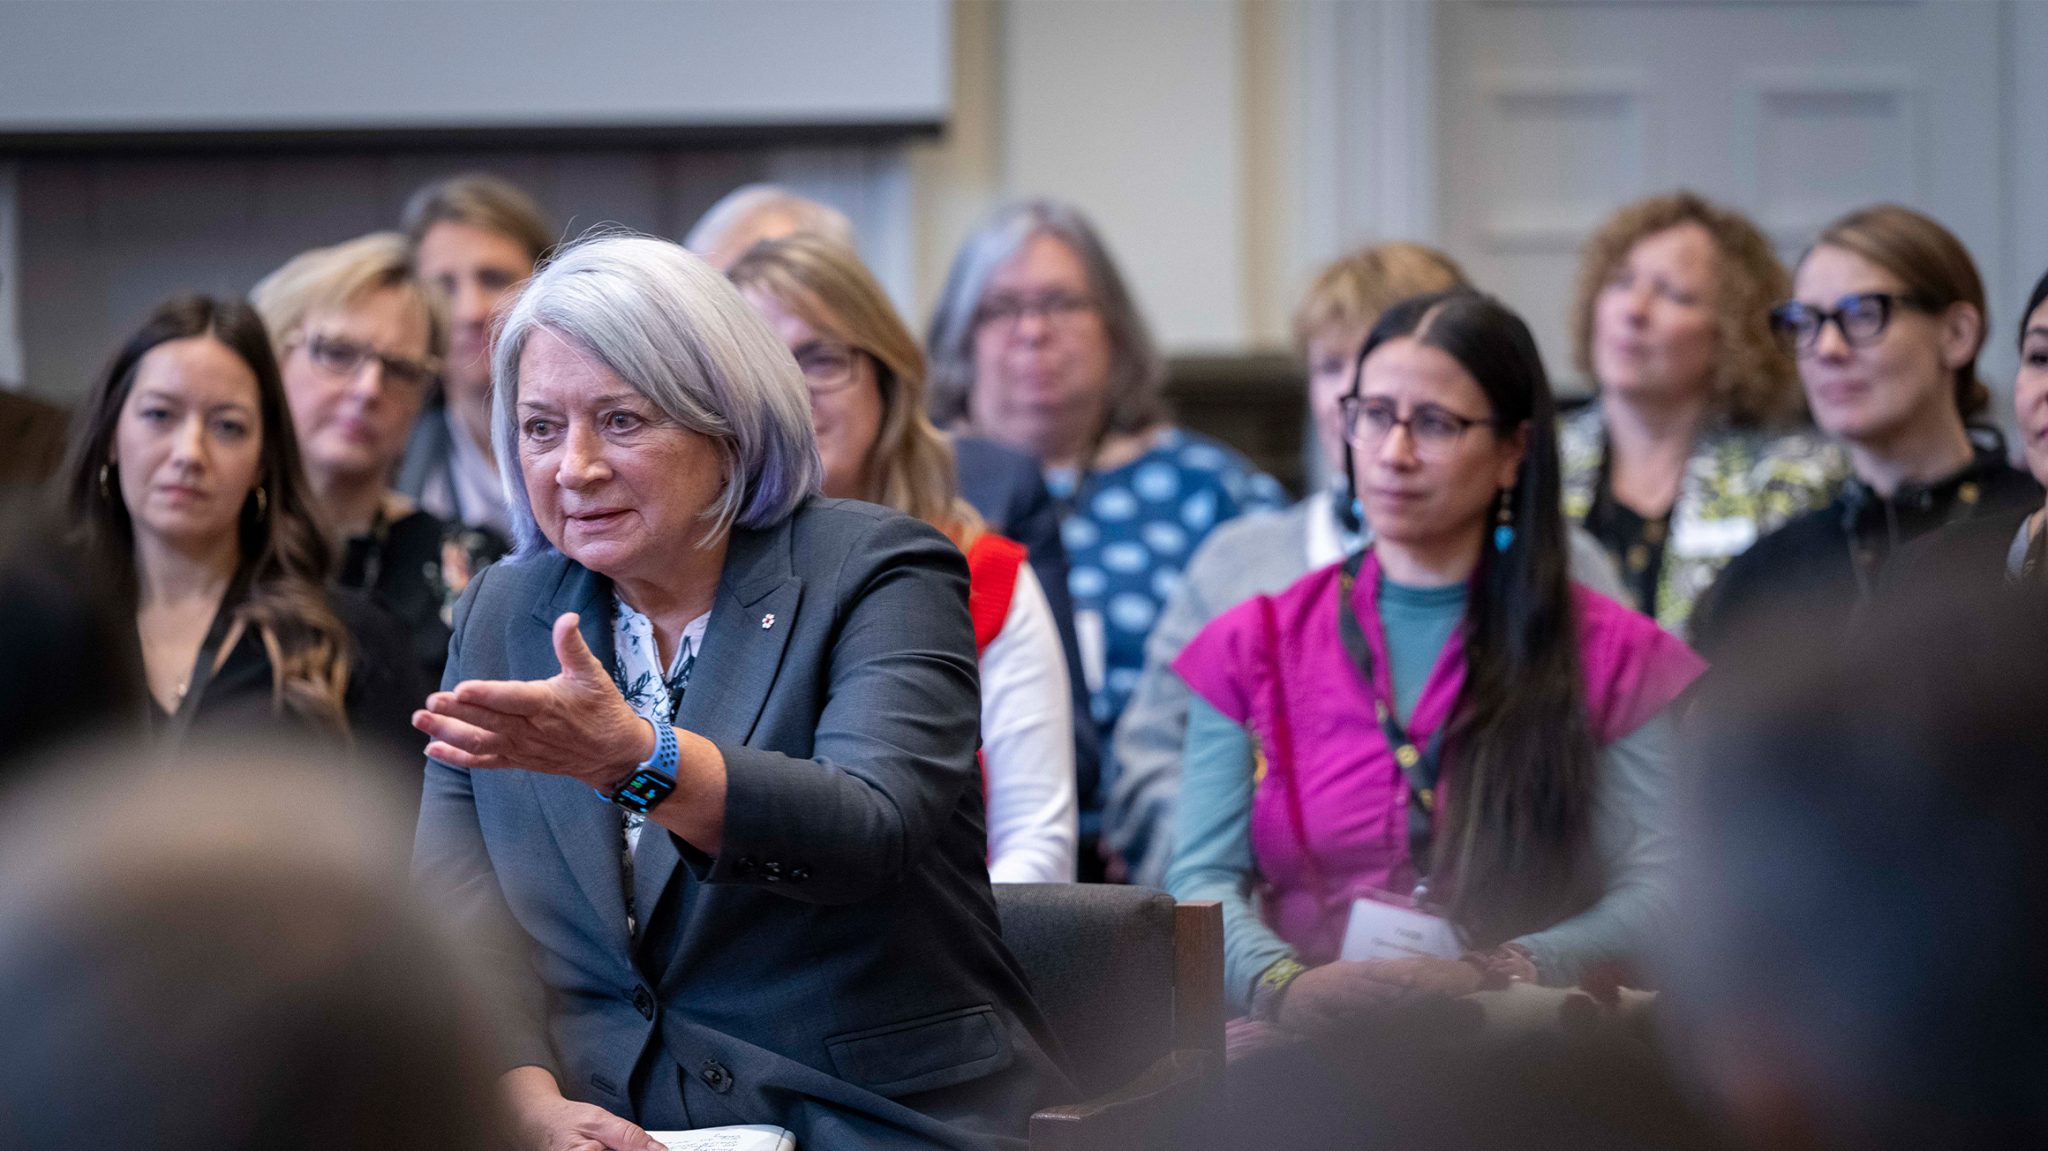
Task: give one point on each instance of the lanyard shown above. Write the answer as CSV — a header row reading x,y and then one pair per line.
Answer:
x,y
203,666
1422,766
379,539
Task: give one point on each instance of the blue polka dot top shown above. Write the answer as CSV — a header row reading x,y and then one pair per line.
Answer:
x,y
1129,531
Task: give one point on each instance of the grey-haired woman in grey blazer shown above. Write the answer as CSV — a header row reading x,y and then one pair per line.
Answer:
x,y
704,755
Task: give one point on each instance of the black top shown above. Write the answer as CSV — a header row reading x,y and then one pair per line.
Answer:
x,y
415,567
1830,560
1634,540
383,690
1006,487
1978,553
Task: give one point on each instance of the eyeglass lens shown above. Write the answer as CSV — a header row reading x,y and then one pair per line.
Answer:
x,y
1429,427
826,367
1861,319
1006,311
346,358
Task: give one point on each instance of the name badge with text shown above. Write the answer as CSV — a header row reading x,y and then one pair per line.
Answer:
x,y
1383,928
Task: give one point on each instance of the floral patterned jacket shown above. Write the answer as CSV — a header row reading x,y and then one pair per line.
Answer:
x,y
1739,485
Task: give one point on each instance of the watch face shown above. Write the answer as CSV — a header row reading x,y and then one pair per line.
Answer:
x,y
642,790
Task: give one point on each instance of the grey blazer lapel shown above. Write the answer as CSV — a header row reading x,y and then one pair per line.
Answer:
x,y
585,826
751,622
738,665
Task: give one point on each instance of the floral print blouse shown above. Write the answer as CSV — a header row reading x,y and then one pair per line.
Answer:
x,y
1738,486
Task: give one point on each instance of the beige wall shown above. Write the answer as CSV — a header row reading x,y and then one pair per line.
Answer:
x,y
1227,147
1168,121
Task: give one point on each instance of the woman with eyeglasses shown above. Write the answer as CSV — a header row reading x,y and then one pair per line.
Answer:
x,y
1693,447
1037,343
1438,762
866,380
359,340
1886,319
183,482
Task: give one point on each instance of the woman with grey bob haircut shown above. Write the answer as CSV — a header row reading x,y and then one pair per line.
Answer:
x,y
1038,345
735,710
679,334
1137,375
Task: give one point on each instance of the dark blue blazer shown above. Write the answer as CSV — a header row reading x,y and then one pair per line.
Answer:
x,y
838,968
1006,487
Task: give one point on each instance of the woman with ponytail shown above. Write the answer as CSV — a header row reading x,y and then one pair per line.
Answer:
x,y
1442,728
183,481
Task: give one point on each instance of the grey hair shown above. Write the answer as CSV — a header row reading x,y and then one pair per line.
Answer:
x,y
1137,375
681,335
743,212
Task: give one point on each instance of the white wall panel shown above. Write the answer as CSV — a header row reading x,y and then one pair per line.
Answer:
x,y
1555,112
1812,142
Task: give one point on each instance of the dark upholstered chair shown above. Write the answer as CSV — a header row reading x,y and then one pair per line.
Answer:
x,y
1132,984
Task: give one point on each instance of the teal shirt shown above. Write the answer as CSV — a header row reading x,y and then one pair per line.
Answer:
x,y
1418,622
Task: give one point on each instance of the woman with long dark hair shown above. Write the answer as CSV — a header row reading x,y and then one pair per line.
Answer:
x,y
1439,749
184,482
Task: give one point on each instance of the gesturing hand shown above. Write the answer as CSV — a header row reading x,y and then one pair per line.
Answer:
x,y
575,723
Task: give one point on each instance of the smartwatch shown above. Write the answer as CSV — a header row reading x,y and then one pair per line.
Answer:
x,y
653,780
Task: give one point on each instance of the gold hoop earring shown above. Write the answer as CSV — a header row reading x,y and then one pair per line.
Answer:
x,y
106,486
262,503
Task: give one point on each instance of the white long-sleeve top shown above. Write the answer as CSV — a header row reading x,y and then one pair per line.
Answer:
x,y
1027,742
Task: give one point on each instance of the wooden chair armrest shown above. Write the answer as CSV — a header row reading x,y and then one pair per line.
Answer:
x,y
1144,1113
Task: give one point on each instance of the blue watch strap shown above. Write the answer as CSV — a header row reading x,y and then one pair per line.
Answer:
x,y
666,751
655,777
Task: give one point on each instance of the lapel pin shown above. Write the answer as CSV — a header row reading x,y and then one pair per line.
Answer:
x,y
767,621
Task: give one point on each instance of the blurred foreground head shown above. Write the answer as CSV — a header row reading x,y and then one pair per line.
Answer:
x,y
222,953
1863,951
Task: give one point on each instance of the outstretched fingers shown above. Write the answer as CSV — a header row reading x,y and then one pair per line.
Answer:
x,y
509,696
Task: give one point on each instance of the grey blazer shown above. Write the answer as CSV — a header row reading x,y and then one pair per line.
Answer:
x,y
838,968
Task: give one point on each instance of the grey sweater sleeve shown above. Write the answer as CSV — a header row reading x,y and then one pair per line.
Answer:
x,y
1213,854
1632,829
1149,739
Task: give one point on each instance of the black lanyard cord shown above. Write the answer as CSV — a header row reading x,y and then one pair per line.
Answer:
x,y
1421,766
203,664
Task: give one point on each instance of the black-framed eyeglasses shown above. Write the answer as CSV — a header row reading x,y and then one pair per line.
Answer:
x,y
1056,307
1861,318
1432,429
343,358
828,368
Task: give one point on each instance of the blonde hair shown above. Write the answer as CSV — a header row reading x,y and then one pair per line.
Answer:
x,y
749,213
325,279
1755,383
1934,266
911,466
1351,291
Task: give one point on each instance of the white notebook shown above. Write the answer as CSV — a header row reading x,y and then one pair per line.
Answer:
x,y
748,1138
